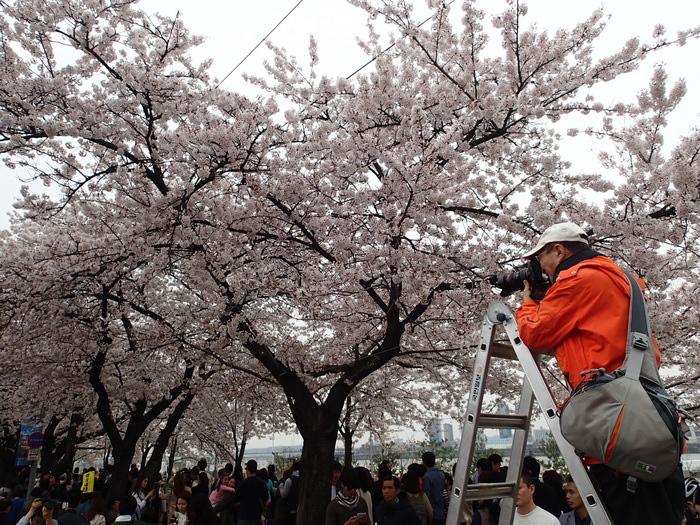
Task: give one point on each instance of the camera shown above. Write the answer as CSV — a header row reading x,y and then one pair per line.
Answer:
x,y
515,281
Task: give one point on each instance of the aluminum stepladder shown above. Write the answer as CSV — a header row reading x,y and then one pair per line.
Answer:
x,y
534,387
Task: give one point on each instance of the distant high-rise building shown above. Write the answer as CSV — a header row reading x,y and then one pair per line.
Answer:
x,y
448,433
503,433
539,434
435,431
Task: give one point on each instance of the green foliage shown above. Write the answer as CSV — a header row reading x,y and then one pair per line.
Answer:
x,y
555,461
445,453
390,452
283,460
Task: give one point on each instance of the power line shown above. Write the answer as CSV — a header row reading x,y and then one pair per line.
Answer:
x,y
392,45
259,43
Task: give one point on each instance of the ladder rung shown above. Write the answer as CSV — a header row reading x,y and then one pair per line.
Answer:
x,y
503,421
489,491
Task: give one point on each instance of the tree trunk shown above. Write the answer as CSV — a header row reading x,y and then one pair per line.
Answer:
x,y
9,441
47,454
171,456
58,448
240,452
107,453
316,474
347,440
119,482
145,449
161,445
319,424
65,461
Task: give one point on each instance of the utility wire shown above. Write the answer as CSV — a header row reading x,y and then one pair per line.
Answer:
x,y
259,43
392,45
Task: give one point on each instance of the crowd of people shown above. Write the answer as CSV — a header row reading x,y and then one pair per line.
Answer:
x,y
60,499
243,495
547,499
248,495
189,497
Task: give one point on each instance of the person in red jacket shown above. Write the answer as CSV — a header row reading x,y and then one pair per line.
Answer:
x,y
583,320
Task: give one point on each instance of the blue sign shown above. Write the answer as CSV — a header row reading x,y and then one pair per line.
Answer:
x,y
31,428
35,440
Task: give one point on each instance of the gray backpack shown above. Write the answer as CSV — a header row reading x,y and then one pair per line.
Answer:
x,y
625,419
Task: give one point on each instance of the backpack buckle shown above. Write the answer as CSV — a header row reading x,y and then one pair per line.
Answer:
x,y
640,341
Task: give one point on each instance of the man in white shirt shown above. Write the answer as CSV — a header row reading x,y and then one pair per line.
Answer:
x,y
527,513
127,507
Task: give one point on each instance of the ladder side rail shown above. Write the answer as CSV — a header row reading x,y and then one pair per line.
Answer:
x,y
550,410
515,465
470,425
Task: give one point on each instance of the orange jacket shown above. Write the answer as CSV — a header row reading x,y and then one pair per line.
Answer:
x,y
583,318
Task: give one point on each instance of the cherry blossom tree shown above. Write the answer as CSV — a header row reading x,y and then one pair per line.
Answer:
x,y
395,399
650,222
108,337
122,71
327,231
231,411
410,184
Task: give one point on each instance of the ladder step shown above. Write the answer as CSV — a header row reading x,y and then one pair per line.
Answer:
x,y
503,421
480,491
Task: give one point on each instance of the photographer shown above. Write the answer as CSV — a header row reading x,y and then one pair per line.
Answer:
x,y
40,513
583,319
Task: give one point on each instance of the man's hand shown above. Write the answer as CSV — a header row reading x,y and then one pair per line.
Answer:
x,y
36,505
357,520
47,515
526,291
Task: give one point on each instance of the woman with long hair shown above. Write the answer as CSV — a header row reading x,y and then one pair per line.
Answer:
x,y
418,499
202,484
96,511
226,485
179,487
141,493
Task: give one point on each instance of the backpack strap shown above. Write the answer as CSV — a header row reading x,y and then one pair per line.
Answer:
x,y
640,359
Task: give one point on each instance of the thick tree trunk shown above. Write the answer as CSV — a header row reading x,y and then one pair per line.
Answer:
x,y
319,423
119,482
316,474
64,461
47,454
58,448
9,441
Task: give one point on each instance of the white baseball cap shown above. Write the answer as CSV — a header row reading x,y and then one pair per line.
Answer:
x,y
562,232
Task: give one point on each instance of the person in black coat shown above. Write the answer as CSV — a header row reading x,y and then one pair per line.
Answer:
x,y
394,509
545,496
